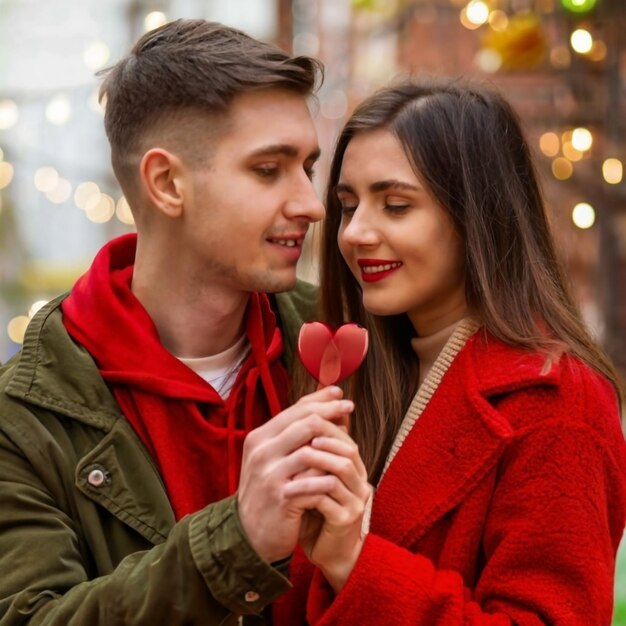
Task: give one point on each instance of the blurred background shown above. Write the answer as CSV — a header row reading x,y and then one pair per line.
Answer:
x,y
562,63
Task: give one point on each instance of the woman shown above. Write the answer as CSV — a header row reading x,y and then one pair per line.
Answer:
x,y
486,416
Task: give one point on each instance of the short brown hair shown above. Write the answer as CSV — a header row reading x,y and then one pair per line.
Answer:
x,y
186,66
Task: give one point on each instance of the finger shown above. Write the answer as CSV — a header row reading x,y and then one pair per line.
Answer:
x,y
332,392
301,431
341,467
339,506
341,447
329,408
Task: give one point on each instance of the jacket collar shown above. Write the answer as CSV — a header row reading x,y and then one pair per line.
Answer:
x,y
55,373
457,439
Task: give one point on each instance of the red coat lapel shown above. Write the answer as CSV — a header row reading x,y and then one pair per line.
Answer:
x,y
454,443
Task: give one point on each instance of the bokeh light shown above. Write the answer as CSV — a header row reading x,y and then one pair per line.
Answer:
x,y
154,20
6,174
59,110
16,328
46,178
583,215
9,114
549,144
562,169
581,41
582,139
613,171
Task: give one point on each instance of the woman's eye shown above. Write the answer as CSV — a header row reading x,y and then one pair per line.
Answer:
x,y
310,172
396,208
347,210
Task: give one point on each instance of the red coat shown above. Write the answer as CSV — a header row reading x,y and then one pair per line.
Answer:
x,y
505,505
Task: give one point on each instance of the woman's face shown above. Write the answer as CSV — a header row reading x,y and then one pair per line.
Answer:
x,y
401,246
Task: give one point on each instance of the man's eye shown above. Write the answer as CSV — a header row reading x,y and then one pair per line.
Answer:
x,y
266,171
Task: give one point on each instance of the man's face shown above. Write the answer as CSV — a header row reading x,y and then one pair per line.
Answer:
x,y
248,208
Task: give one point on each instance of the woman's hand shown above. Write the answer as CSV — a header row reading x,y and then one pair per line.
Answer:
x,y
330,534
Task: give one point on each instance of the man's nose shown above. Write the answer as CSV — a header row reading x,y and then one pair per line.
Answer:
x,y
305,203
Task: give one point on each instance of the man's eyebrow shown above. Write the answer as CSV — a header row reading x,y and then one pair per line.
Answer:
x,y
285,149
380,185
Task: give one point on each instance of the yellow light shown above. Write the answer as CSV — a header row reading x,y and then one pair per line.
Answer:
x,y
84,192
477,12
549,144
6,174
466,21
46,179
562,169
613,171
154,20
59,110
581,41
498,20
582,139
570,152
61,192
8,114
96,55
123,212
583,215
35,306
17,327
100,209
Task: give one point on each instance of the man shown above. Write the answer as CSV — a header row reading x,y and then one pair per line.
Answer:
x,y
123,418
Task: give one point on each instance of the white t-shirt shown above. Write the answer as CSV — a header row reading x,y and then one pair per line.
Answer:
x,y
220,370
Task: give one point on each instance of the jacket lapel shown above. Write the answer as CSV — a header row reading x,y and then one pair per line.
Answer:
x,y
457,439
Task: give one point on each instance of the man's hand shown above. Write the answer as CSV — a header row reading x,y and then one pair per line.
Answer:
x,y
272,455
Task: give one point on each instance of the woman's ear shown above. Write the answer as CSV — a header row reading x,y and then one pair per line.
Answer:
x,y
161,174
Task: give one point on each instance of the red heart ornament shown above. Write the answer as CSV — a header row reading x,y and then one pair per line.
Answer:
x,y
330,356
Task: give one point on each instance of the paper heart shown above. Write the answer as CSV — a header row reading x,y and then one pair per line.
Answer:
x,y
330,356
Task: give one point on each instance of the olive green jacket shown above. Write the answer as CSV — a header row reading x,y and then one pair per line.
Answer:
x,y
87,534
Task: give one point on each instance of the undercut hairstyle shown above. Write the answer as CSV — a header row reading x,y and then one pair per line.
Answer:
x,y
185,68
466,146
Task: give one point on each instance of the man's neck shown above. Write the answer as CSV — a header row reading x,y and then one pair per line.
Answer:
x,y
191,324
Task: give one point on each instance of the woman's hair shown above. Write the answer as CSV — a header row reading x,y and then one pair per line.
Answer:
x,y
467,147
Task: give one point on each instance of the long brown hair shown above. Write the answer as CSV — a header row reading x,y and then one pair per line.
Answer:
x,y
466,145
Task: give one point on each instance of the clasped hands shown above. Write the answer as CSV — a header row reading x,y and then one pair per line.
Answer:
x,y
303,481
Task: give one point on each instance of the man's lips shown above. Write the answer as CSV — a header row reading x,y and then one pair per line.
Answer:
x,y
288,241
373,270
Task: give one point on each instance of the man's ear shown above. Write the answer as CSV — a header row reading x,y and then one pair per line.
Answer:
x,y
161,175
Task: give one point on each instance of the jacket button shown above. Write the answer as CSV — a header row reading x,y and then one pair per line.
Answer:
x,y
96,478
251,596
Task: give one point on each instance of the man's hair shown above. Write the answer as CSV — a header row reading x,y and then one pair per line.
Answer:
x,y
190,66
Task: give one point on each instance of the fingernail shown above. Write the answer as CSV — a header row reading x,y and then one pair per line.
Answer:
x,y
336,391
347,405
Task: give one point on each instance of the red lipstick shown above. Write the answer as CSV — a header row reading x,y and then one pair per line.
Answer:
x,y
373,270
